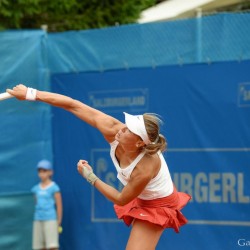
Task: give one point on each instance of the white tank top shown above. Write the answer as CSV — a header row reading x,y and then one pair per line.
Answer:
x,y
160,186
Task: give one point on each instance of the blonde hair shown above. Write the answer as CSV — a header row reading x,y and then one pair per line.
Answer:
x,y
158,141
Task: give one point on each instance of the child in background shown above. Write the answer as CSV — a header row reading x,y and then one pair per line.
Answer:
x,y
48,209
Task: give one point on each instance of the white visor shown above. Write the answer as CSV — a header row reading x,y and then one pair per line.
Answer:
x,y
135,124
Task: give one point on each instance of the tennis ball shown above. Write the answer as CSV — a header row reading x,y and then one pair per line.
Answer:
x,y
60,229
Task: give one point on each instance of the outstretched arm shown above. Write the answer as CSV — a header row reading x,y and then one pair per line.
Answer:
x,y
106,124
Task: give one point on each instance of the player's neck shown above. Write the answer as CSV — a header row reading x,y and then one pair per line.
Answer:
x,y
46,182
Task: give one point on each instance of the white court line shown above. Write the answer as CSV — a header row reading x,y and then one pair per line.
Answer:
x,y
192,150
219,223
208,150
191,222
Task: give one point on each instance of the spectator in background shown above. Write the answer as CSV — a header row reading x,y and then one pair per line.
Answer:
x,y
48,209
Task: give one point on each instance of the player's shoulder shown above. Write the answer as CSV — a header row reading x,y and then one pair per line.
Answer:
x,y
149,163
55,185
153,159
35,187
146,162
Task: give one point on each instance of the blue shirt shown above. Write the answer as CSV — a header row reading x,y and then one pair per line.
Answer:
x,y
45,201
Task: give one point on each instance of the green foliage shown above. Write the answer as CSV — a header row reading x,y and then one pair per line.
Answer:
x,y
62,15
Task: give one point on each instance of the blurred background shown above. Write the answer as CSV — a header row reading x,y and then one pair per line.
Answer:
x,y
185,60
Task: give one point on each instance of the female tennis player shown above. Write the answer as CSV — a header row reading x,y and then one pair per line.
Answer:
x,y
149,201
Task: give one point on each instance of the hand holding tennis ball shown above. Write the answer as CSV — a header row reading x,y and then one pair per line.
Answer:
x,y
86,171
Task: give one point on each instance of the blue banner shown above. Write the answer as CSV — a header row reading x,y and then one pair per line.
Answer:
x,y
205,109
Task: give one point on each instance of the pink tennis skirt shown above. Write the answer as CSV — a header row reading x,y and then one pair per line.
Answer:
x,y
164,212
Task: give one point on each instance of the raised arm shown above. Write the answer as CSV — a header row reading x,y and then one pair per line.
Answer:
x,y
106,124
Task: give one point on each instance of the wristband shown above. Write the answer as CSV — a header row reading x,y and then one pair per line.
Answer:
x,y
89,175
31,94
